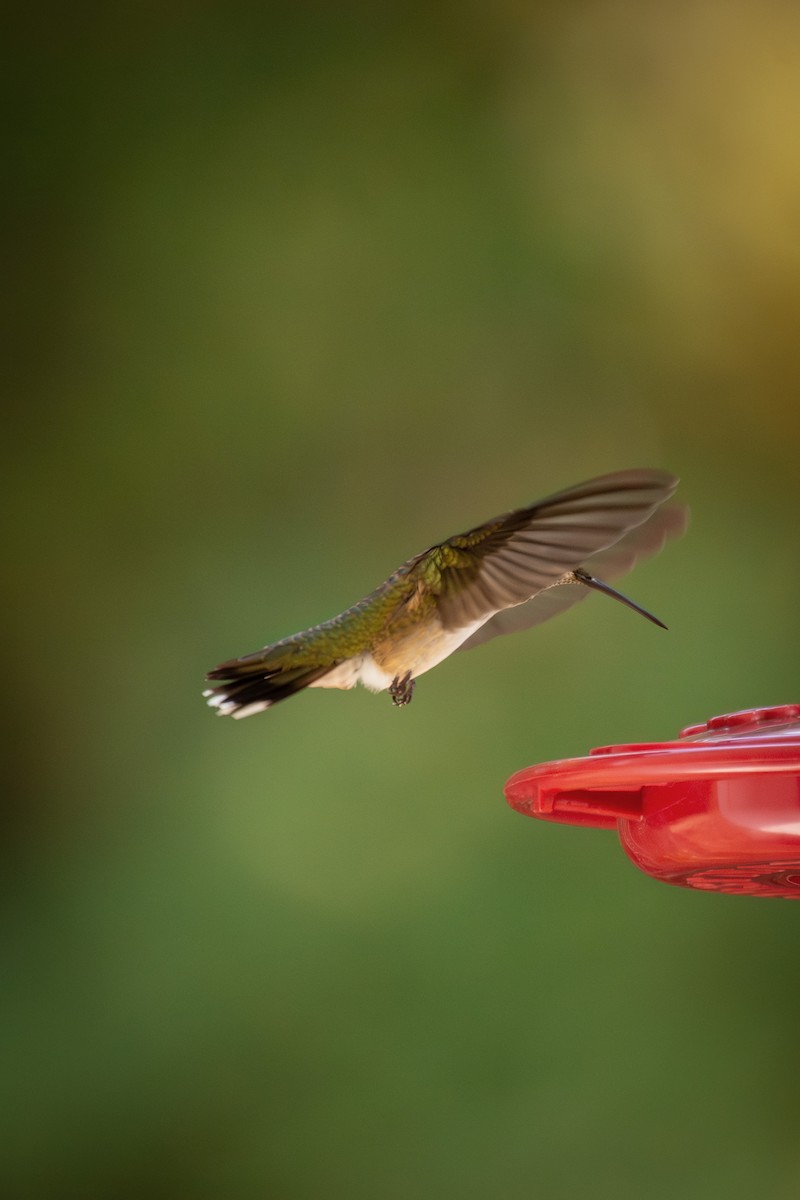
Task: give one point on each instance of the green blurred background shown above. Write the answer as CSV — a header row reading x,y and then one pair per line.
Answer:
x,y
294,292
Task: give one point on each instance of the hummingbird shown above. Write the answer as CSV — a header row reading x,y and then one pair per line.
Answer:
x,y
508,574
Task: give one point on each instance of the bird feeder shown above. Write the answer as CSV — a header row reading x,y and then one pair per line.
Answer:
x,y
717,810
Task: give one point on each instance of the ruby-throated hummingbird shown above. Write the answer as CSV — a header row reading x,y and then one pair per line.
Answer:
x,y
513,572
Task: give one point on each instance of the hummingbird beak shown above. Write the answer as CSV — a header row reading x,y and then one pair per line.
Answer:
x,y
589,580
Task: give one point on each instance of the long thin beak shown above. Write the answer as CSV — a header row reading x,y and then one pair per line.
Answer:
x,y
598,585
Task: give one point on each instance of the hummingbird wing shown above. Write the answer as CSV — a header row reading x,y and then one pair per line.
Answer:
x,y
641,543
509,560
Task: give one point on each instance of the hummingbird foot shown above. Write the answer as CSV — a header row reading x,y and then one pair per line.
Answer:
x,y
401,689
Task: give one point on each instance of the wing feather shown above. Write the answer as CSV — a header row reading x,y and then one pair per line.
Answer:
x,y
512,558
641,543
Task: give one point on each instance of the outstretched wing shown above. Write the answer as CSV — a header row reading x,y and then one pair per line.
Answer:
x,y
511,559
639,544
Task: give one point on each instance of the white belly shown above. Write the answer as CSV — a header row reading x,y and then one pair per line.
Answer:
x,y
421,653
372,676
417,655
362,669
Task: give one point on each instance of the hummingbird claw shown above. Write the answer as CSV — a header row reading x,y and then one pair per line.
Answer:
x,y
401,689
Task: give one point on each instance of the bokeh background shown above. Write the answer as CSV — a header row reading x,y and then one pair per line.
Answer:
x,y
292,293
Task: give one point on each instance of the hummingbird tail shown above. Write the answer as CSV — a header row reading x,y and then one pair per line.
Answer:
x,y
246,690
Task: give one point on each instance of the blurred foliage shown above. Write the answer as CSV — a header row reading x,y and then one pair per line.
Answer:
x,y
292,293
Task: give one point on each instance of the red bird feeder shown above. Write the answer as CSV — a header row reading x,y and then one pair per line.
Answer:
x,y
717,810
